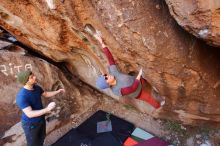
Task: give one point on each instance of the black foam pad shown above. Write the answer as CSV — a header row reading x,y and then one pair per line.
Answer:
x,y
86,133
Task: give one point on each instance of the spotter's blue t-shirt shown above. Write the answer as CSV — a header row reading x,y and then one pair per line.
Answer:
x,y
31,98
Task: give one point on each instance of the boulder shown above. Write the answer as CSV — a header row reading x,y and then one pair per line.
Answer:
x,y
199,17
139,34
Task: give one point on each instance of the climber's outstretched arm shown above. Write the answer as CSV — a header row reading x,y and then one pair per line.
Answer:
x,y
109,56
106,51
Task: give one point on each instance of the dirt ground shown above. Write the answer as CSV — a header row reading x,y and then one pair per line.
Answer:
x,y
170,131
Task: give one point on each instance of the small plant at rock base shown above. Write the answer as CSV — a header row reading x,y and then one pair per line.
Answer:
x,y
206,131
177,132
129,107
173,126
176,128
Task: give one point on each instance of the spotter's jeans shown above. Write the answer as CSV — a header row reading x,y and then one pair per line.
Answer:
x,y
35,133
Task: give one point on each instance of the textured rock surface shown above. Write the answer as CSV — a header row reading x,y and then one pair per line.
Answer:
x,y
199,17
140,33
175,62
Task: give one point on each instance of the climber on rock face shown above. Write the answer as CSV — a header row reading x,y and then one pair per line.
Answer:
x,y
29,101
123,84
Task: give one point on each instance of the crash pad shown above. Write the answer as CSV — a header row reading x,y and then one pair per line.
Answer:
x,y
86,133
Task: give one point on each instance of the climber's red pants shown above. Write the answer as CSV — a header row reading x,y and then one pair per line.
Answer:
x,y
145,95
